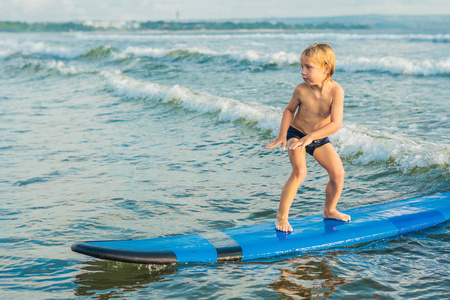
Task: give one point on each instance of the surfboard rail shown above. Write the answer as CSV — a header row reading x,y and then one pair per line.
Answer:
x,y
264,241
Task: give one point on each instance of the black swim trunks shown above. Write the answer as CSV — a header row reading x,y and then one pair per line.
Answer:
x,y
295,133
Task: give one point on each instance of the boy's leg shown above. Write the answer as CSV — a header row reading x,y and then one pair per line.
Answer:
x,y
328,158
290,188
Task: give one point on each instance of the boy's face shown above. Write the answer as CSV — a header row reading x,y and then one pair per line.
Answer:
x,y
312,72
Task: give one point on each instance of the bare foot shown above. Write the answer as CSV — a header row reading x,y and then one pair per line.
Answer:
x,y
283,225
335,215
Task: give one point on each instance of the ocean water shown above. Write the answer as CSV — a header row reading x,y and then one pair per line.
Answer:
x,y
128,135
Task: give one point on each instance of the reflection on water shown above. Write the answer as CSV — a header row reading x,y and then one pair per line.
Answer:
x,y
111,279
308,278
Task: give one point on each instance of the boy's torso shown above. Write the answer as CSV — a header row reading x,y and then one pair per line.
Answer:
x,y
314,109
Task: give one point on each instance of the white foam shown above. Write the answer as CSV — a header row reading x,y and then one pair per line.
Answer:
x,y
403,153
64,69
159,52
279,58
42,48
57,66
253,56
395,65
145,52
5,53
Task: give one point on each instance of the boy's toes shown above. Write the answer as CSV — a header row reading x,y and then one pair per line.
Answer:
x,y
336,215
283,225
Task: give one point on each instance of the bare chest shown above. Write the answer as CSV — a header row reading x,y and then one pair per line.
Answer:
x,y
315,107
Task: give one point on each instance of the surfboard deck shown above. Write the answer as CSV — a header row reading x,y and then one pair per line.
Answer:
x,y
264,241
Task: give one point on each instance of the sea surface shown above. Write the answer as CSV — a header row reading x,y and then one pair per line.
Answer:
x,y
141,135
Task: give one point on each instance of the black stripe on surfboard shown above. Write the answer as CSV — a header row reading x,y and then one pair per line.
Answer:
x,y
227,248
130,256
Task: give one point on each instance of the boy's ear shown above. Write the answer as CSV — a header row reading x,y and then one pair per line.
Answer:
x,y
327,69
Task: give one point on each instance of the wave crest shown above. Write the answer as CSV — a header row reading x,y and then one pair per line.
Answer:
x,y
247,56
99,52
402,153
38,48
396,66
392,65
227,110
54,66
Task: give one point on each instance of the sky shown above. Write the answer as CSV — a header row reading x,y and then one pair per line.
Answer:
x,y
152,10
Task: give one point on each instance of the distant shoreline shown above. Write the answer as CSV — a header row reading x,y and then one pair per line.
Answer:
x,y
171,27
416,23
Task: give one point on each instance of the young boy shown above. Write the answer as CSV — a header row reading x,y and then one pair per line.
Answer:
x,y
319,102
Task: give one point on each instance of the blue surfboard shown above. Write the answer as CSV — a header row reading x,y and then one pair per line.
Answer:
x,y
264,241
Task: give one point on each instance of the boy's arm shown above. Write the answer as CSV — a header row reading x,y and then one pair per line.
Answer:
x,y
286,121
337,115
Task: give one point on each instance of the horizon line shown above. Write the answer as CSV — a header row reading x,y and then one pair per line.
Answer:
x,y
231,18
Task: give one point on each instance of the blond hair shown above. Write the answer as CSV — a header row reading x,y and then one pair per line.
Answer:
x,y
323,55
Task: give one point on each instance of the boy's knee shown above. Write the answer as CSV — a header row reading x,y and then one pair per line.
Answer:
x,y
299,173
337,175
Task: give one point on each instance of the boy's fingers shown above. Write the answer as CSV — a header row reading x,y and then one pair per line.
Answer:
x,y
297,145
293,146
276,143
271,145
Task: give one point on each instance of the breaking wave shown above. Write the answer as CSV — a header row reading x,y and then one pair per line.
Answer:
x,y
352,142
247,56
396,66
227,110
54,66
37,48
402,153
392,65
388,64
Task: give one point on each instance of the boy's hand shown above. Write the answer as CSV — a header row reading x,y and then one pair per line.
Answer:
x,y
302,143
276,142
